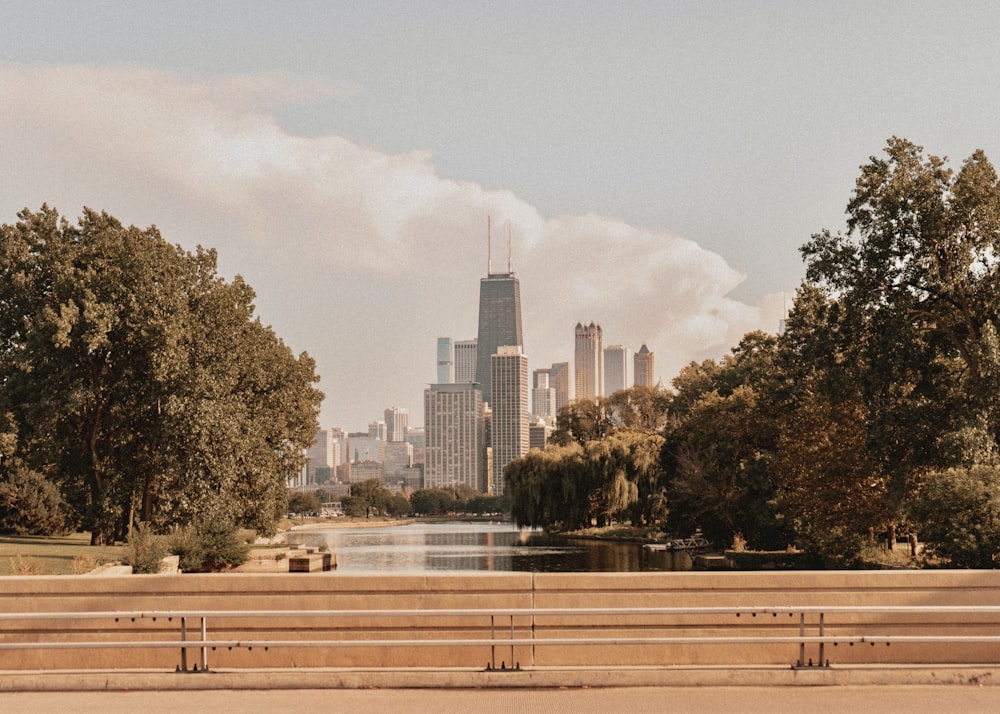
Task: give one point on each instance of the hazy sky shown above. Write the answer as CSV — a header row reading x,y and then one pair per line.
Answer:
x,y
658,163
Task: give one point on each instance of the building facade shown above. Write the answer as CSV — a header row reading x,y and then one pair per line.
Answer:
x,y
454,436
644,367
560,380
499,323
589,361
616,369
511,415
396,423
445,361
466,353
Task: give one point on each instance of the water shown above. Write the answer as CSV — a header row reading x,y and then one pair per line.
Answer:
x,y
473,547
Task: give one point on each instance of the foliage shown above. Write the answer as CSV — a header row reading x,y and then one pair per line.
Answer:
x,y
957,513
433,501
720,448
144,550
916,281
140,381
304,503
212,544
571,486
29,504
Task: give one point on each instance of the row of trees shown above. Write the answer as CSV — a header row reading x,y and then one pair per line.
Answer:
x,y
136,384
371,497
876,410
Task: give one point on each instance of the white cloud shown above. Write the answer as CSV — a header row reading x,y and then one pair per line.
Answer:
x,y
360,257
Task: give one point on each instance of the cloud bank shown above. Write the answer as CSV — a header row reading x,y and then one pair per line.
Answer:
x,y
360,257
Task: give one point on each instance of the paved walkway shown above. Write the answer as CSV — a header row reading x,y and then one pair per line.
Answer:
x,y
915,699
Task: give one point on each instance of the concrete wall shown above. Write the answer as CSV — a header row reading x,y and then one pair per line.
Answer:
x,y
332,591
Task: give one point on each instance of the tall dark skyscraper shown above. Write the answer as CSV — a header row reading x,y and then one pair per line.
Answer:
x,y
499,323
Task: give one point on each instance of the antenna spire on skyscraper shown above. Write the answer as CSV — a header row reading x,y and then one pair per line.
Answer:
x,y
489,246
509,252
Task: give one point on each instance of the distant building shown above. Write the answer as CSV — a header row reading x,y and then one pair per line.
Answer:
x,y
538,434
589,361
367,470
398,456
322,458
445,361
455,438
509,376
560,380
415,438
644,368
396,423
616,369
499,323
466,353
543,397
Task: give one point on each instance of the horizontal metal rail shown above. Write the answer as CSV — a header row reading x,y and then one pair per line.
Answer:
x,y
530,618
505,612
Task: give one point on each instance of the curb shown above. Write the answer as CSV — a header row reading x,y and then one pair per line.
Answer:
x,y
291,679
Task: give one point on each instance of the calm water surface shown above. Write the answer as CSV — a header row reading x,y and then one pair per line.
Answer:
x,y
473,547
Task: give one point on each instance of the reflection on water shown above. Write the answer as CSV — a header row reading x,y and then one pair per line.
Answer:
x,y
458,547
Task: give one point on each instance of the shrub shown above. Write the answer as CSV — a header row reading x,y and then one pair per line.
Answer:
x,y
29,504
209,545
144,550
958,516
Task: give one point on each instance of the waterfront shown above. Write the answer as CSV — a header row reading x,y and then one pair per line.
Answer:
x,y
473,547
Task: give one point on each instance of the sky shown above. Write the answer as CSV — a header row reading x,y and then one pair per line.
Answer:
x,y
655,165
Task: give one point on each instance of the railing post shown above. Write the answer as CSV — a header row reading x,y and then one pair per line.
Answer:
x,y
184,653
512,641
802,644
204,646
493,639
822,644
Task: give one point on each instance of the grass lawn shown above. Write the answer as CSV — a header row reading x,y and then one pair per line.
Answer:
x,y
53,555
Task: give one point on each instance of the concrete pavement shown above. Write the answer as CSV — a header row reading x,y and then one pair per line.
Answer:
x,y
474,679
894,699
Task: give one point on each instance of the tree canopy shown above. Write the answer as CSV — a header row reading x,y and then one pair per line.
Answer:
x,y
140,382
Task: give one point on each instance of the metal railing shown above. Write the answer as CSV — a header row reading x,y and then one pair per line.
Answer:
x,y
500,627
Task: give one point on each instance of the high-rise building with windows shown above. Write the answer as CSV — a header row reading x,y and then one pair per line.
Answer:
x,y
511,416
543,397
465,361
454,436
616,369
396,422
559,380
644,367
445,361
589,361
499,323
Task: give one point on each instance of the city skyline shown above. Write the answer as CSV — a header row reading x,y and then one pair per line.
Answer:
x,y
658,165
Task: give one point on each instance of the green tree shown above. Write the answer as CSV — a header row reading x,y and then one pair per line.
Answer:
x,y
916,280
582,421
957,513
141,381
720,446
304,503
367,498
432,501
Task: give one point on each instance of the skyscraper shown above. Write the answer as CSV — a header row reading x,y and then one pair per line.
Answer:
x,y
543,397
644,367
499,323
454,436
511,417
616,369
396,422
589,361
465,361
445,365
559,380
